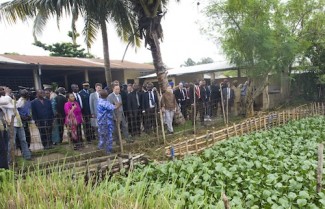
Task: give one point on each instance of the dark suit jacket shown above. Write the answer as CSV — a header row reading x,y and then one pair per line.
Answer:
x,y
180,97
145,100
42,111
124,96
132,101
215,93
85,102
232,95
204,93
60,101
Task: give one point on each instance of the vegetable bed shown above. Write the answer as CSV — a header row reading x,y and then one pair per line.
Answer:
x,y
270,169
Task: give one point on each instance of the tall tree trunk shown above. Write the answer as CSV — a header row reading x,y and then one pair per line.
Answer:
x,y
161,71
107,65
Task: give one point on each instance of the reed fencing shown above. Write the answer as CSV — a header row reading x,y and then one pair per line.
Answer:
x,y
197,144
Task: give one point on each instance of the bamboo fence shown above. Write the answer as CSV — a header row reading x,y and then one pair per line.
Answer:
x,y
89,168
197,144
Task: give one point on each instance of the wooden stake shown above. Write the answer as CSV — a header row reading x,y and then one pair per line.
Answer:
x,y
283,117
222,105
120,162
255,124
186,144
320,168
227,129
119,134
225,201
12,140
196,147
235,129
265,127
260,123
241,129
161,119
213,135
207,139
247,125
156,121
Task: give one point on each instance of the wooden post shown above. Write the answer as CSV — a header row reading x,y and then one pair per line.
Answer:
x,y
120,162
162,120
235,129
320,168
186,144
131,163
207,139
225,201
156,121
247,125
109,163
213,135
222,105
227,129
196,147
265,127
260,122
283,117
278,118
241,129
255,123
12,140
119,134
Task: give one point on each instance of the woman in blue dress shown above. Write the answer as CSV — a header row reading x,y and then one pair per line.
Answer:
x,y
105,111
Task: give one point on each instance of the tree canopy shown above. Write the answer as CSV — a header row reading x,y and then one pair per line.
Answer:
x,y
65,49
264,37
191,62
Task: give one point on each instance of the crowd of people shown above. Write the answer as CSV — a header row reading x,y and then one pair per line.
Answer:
x,y
118,111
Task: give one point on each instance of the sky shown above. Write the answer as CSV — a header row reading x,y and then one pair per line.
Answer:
x,y
182,38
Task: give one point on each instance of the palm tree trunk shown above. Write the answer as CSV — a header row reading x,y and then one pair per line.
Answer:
x,y
107,65
161,71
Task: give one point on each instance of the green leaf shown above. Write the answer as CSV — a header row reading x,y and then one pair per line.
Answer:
x,y
292,195
304,195
301,202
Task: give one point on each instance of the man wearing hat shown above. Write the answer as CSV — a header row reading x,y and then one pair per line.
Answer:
x,y
84,94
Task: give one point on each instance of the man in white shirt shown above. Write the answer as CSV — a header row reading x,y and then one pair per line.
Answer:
x,y
8,107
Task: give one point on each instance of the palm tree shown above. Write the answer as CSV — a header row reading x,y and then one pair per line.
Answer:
x,y
149,14
96,14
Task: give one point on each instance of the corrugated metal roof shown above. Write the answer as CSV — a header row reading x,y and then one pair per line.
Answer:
x,y
204,68
71,62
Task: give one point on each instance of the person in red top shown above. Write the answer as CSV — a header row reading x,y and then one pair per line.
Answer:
x,y
73,120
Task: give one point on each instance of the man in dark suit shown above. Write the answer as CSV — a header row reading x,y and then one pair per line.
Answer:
x,y
197,94
181,98
149,108
43,116
215,98
228,95
60,101
134,107
84,94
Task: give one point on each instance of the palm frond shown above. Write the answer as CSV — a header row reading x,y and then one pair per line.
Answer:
x,y
90,30
13,11
40,22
